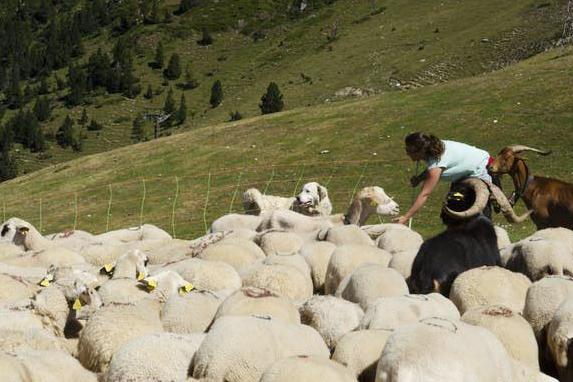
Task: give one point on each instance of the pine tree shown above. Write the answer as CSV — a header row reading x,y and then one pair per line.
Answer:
x,y
181,114
69,135
44,87
149,92
235,116
190,81
159,56
84,118
138,132
34,138
154,14
216,94
95,126
42,109
169,106
272,100
77,80
8,169
185,5
206,38
14,93
173,70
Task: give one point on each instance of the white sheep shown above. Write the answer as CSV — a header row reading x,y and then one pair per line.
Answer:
x,y
537,258
239,348
126,235
112,326
402,262
306,369
154,357
513,331
165,284
317,255
14,289
370,281
250,301
238,253
502,237
360,351
282,280
345,235
345,259
560,339
396,238
389,313
39,251
273,243
232,222
206,274
191,312
485,286
42,365
543,299
293,259
437,349
34,339
331,316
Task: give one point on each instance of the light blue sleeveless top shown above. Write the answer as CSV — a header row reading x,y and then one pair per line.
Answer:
x,y
460,160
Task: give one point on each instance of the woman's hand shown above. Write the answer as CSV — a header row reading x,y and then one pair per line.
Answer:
x,y
400,220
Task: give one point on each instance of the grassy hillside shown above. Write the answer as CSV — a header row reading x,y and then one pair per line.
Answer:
x,y
528,103
379,46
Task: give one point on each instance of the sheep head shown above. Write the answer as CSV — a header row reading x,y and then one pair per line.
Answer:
x,y
167,283
371,200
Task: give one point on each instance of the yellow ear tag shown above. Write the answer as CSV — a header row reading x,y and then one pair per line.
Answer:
x,y
186,289
140,276
45,282
373,203
108,267
151,284
77,304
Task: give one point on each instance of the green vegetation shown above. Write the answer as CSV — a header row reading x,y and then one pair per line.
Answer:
x,y
361,139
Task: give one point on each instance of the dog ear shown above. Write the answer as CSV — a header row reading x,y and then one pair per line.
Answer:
x,y
322,192
5,230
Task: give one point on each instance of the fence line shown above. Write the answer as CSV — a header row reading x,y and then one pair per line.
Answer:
x,y
75,210
207,202
173,208
298,181
154,205
108,209
142,204
269,182
235,192
40,227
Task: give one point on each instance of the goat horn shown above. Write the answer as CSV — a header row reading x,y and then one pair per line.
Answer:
x,y
482,195
505,206
519,148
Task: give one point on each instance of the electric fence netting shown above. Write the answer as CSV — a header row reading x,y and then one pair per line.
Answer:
x,y
185,206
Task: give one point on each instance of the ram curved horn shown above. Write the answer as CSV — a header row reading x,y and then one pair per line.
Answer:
x,y
482,196
505,206
519,148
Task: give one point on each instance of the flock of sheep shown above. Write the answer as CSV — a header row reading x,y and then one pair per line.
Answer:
x,y
285,292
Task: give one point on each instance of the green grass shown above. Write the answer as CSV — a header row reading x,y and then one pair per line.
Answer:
x,y
414,42
530,101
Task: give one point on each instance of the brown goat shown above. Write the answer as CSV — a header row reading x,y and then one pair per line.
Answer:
x,y
551,200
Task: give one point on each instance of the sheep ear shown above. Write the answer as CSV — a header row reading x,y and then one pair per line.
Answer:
x,y
186,289
322,192
23,230
322,234
5,230
107,269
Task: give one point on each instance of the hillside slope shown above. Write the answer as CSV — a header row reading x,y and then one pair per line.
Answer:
x,y
346,145
374,46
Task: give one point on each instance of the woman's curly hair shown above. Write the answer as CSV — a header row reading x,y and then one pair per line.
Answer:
x,y
429,144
